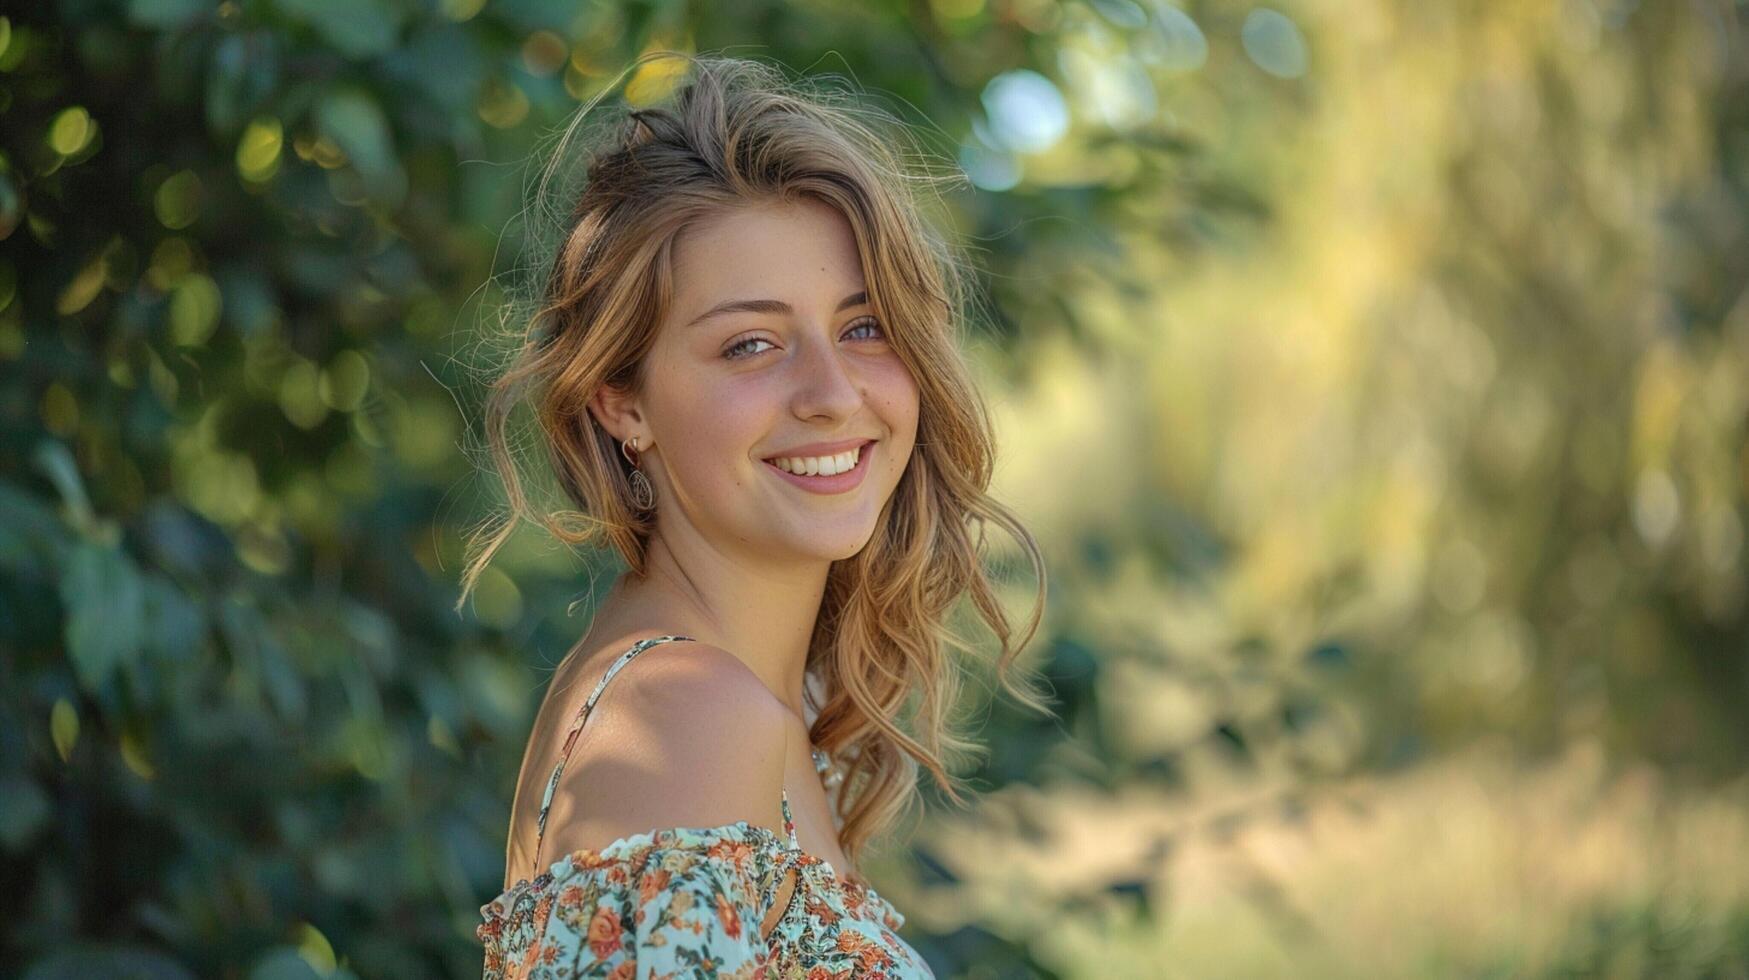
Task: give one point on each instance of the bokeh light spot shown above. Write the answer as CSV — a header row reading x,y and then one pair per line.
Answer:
x,y
1176,43
1274,43
259,149
194,310
1026,111
71,130
177,202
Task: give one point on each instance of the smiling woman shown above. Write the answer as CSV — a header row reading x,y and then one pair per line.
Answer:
x,y
743,368
794,366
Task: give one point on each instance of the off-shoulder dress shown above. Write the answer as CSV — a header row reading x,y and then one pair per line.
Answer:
x,y
689,902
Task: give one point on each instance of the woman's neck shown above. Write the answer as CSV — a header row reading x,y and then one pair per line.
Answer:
x,y
764,617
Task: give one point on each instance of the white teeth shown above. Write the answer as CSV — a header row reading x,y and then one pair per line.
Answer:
x,y
820,465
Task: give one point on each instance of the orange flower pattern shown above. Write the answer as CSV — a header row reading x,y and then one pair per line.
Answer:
x,y
688,902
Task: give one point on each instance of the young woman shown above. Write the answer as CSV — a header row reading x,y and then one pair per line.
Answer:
x,y
744,374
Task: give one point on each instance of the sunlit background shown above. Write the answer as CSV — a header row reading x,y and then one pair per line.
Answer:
x,y
1373,372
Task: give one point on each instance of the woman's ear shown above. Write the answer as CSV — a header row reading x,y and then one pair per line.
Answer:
x,y
617,410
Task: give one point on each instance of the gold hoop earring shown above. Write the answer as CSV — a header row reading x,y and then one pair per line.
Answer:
x,y
643,492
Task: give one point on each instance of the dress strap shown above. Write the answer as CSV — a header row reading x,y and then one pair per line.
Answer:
x,y
577,727
789,825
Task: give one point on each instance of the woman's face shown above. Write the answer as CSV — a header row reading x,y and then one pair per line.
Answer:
x,y
771,350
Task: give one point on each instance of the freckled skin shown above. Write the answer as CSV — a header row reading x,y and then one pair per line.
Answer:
x,y
815,374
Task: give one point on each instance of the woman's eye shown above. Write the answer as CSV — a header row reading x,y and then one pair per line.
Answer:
x,y
740,348
733,350
868,322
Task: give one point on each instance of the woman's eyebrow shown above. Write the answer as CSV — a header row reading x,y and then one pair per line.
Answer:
x,y
771,306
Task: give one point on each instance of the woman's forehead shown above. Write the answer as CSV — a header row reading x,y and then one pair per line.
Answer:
x,y
790,252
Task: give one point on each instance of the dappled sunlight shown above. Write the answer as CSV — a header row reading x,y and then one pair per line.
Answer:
x,y
1467,865
1374,375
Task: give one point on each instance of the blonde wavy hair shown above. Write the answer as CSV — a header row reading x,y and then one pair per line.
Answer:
x,y
740,132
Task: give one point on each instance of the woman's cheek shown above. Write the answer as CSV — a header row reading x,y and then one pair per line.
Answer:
x,y
730,420
896,389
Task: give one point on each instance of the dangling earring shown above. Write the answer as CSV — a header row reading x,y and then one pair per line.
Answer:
x,y
643,494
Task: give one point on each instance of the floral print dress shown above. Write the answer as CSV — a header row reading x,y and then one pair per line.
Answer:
x,y
689,902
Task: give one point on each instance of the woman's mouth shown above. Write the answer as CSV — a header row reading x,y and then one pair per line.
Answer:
x,y
836,473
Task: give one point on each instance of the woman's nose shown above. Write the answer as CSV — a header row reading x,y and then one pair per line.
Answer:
x,y
826,384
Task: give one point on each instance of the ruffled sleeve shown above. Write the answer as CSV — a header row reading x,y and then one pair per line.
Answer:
x,y
679,902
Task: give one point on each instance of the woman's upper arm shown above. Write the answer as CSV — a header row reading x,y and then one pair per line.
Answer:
x,y
688,737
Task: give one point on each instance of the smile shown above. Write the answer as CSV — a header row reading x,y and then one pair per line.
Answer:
x,y
818,465
821,474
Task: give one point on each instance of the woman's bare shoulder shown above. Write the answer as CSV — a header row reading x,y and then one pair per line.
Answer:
x,y
696,701
683,735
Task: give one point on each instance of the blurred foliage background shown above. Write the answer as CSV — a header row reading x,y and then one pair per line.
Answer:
x,y
1374,372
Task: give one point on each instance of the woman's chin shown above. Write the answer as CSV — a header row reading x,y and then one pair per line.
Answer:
x,y
828,541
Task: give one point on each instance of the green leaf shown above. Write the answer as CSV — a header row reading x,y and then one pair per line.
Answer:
x,y
445,62
174,624
355,28
56,462
31,534
285,687
105,604
172,629
352,119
